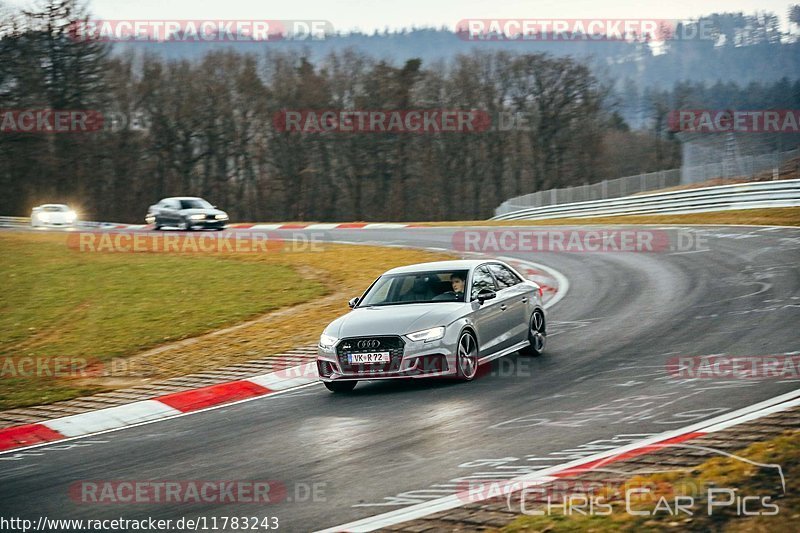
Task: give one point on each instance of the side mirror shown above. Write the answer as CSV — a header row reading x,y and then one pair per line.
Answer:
x,y
486,294
353,302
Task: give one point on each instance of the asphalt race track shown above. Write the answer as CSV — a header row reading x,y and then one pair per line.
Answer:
x,y
603,381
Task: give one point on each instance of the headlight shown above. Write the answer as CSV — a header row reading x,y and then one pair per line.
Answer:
x,y
71,217
150,218
427,335
326,342
222,217
197,217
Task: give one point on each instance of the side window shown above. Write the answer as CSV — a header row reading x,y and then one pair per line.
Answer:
x,y
481,279
505,278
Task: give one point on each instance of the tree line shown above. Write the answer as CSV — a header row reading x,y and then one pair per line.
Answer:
x,y
206,127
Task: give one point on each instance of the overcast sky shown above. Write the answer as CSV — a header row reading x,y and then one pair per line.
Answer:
x,y
368,15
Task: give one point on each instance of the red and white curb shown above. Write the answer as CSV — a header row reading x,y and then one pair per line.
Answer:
x,y
344,225
585,464
158,408
174,404
272,227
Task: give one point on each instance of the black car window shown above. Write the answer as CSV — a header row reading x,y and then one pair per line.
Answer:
x,y
194,204
412,287
505,278
481,279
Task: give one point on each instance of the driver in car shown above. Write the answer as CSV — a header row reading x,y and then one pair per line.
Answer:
x,y
457,294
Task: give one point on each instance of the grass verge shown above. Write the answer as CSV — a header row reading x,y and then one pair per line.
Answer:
x,y
61,307
778,216
722,472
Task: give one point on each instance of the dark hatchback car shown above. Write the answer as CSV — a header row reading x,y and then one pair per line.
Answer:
x,y
186,213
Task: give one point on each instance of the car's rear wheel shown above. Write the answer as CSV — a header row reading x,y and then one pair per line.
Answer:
x,y
537,335
340,386
467,356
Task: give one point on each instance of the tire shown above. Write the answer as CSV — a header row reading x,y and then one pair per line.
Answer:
x,y
467,355
183,225
340,386
537,334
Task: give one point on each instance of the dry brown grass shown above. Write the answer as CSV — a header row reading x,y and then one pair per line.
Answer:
x,y
778,216
345,271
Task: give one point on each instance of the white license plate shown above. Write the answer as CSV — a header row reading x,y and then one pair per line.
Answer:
x,y
368,358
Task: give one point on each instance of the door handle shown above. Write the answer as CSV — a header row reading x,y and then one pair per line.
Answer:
x,y
502,307
524,300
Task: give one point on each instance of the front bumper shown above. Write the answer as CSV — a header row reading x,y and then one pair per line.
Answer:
x,y
415,359
41,224
208,224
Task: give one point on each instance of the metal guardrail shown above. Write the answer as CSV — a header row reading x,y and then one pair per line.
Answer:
x,y
784,193
15,221
744,166
26,221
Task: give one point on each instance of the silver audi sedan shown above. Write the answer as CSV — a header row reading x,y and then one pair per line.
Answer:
x,y
433,320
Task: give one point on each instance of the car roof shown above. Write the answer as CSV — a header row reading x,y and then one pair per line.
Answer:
x,y
458,264
54,205
182,198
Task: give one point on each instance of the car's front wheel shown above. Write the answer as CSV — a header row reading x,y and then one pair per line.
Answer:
x,y
183,225
467,356
537,336
340,386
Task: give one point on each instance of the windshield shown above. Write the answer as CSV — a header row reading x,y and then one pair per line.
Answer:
x,y
416,287
195,204
55,208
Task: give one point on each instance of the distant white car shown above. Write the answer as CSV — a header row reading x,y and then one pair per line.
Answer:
x,y
53,216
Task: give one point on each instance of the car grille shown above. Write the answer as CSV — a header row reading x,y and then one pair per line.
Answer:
x,y
392,344
211,217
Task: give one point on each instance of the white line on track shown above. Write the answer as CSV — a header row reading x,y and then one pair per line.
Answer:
x,y
413,512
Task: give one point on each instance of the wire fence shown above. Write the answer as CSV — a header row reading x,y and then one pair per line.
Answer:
x,y
743,166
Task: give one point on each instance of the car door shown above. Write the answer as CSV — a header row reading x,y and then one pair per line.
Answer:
x,y
515,295
488,317
169,213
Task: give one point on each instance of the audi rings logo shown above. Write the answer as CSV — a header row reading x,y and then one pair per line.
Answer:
x,y
370,344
